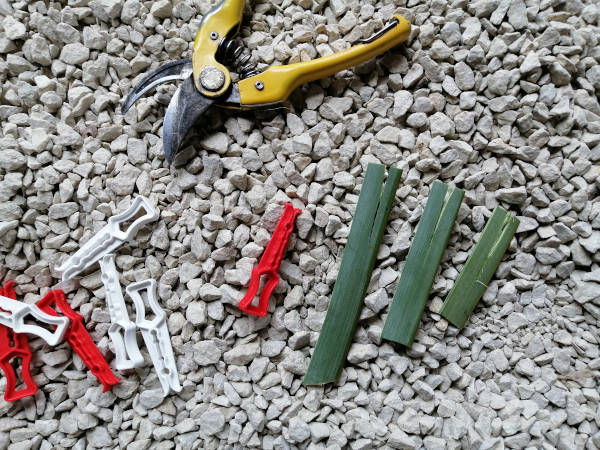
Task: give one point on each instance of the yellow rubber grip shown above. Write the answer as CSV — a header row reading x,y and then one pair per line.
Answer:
x,y
215,25
276,83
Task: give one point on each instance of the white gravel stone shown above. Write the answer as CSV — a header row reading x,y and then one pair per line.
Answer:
x,y
74,53
11,159
196,313
242,354
151,398
211,422
499,98
13,29
298,430
161,9
362,352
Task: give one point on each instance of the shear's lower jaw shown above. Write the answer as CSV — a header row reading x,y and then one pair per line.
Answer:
x,y
185,108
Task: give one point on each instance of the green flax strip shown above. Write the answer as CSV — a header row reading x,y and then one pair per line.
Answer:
x,y
422,263
480,267
365,235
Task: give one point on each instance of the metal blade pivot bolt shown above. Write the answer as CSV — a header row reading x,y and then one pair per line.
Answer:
x,y
212,78
259,85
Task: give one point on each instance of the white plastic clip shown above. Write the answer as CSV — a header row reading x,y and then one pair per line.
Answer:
x,y
122,330
109,238
13,314
155,334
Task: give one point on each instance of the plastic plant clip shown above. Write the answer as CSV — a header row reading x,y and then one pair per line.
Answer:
x,y
269,264
109,238
15,347
13,314
122,330
79,338
155,334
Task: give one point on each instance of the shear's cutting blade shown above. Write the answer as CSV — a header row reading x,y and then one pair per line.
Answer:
x,y
186,106
172,71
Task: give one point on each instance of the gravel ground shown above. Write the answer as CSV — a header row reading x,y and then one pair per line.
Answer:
x,y
499,97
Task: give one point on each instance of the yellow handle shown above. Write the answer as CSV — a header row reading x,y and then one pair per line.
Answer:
x,y
216,25
276,83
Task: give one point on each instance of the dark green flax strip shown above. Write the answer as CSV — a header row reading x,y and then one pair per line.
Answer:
x,y
483,261
365,235
422,263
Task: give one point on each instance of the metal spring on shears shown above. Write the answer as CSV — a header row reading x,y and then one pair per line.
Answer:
x,y
231,53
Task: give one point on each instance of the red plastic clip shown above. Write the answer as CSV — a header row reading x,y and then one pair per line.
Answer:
x,y
79,338
269,264
15,347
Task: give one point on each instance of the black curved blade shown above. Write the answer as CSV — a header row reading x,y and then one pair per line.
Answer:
x,y
186,106
172,71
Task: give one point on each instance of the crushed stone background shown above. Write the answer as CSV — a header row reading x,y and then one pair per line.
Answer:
x,y
499,97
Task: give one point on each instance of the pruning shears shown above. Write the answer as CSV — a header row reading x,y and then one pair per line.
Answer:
x,y
207,80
